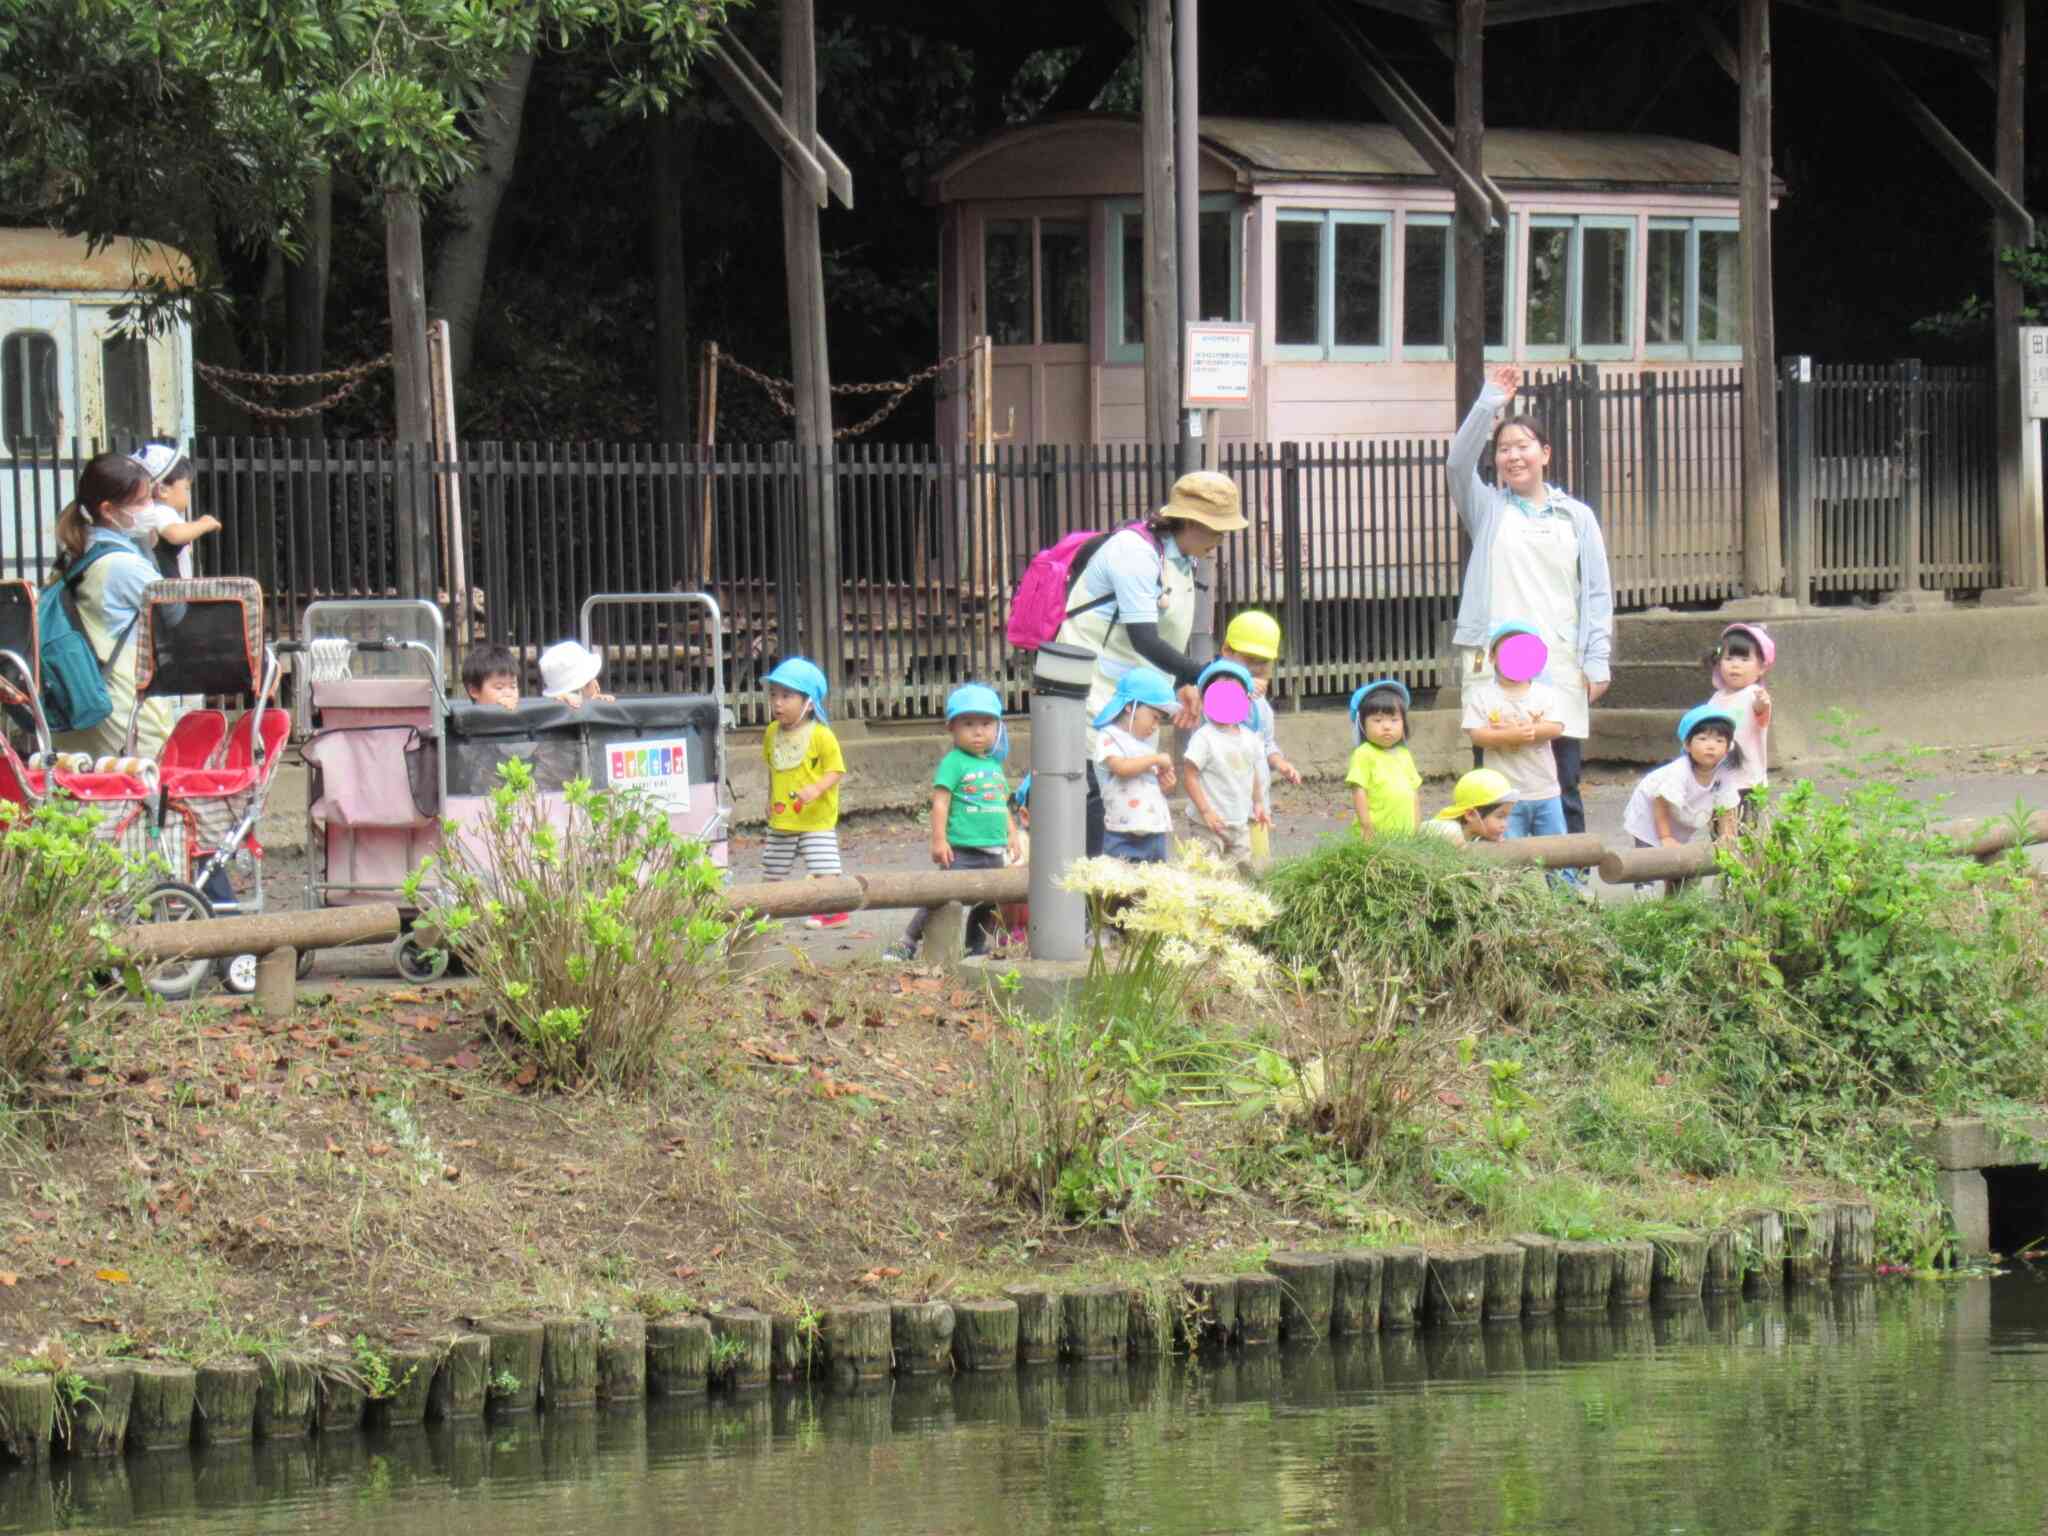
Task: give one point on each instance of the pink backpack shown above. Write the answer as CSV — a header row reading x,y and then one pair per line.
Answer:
x,y
1039,605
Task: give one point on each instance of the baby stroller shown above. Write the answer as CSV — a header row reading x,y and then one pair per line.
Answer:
x,y
136,813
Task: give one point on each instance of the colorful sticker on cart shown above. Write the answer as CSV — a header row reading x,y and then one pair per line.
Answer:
x,y
660,769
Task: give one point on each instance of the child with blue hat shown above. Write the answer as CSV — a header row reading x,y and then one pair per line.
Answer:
x,y
1229,780
1695,790
805,768
1135,816
1512,716
1382,774
972,827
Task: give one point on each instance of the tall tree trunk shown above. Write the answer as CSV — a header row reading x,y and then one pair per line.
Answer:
x,y
403,266
305,304
671,305
458,283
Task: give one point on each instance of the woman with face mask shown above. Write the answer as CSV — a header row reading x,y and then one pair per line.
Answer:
x,y
1538,558
113,492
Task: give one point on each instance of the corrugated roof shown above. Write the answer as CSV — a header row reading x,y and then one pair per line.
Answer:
x,y
1275,150
45,261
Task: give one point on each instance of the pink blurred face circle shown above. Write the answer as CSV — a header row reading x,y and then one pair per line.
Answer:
x,y
1224,702
1521,658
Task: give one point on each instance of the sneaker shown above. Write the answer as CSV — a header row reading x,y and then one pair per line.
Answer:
x,y
828,920
902,951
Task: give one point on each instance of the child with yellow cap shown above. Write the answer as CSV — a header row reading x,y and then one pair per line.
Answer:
x,y
1479,811
1253,642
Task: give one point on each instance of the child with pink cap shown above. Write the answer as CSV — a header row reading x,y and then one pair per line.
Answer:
x,y
1739,664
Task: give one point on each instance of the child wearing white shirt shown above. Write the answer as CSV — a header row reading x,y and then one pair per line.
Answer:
x,y
1135,816
1674,804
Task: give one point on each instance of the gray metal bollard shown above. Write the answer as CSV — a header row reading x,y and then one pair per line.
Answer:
x,y
1059,798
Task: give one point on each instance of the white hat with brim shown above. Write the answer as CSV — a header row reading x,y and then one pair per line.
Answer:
x,y
567,667
1207,498
159,459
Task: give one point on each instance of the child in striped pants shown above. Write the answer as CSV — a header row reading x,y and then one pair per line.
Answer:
x,y
804,770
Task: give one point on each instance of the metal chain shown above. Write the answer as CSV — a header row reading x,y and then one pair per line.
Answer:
x,y
350,379
783,392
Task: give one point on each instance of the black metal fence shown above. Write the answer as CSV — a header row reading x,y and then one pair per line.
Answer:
x,y
1353,545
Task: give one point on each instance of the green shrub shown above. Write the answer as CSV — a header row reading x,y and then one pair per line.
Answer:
x,y
590,941
61,893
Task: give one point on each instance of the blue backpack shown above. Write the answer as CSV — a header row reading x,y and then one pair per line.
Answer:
x,y
75,694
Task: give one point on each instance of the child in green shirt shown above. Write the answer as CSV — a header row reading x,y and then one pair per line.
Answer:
x,y
971,823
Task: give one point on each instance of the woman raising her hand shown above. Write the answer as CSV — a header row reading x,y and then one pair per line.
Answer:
x,y
1538,558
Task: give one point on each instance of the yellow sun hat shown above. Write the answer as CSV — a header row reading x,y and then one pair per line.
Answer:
x,y
1476,791
1254,634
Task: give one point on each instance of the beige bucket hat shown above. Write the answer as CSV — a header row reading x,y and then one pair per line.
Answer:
x,y
1207,498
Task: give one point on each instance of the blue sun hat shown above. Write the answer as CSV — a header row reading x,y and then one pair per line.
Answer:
x,y
801,676
1365,691
1705,714
1140,685
980,699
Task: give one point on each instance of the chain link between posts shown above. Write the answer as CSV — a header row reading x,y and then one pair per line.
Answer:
x,y
783,392
350,379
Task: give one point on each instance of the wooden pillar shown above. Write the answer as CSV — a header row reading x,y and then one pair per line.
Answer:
x,y
1162,285
671,302
1760,558
1187,197
804,262
405,271
1468,293
2019,453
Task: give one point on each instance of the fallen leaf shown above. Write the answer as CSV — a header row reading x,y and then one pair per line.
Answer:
x,y
684,1272
378,1148
888,1272
528,1076
333,1147
425,1023
9,1278
464,1061
718,1252
66,1263
464,1144
184,1206
417,1063
113,1276
1450,1100
403,997
451,1173
325,1319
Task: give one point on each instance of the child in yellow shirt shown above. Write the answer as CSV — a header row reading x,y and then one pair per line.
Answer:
x,y
804,771
1383,776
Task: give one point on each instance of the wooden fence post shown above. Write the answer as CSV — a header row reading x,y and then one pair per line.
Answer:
x,y
1651,481
1912,451
1291,557
1587,439
1797,376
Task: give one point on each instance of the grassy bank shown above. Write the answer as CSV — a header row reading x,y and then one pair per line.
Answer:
x,y
1416,1049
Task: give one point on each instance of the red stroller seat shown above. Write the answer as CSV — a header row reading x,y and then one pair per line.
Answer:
x,y
253,752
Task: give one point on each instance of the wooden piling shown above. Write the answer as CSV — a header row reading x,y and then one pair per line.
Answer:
x,y
1258,1310
340,1400
1678,1268
985,1335
1150,1326
678,1357
1355,1299
742,1341
1208,1314
412,1368
224,1396
1855,1245
1308,1283
1505,1266
922,1334
859,1340
1454,1292
622,1359
98,1424
1403,1273
1539,1273
789,1347
1723,1271
462,1379
568,1363
513,1385
1038,1323
28,1416
277,983
1634,1265
1763,1244
1095,1323
1585,1277
160,1412
1809,1244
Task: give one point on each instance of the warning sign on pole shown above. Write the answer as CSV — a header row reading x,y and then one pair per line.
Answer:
x,y
2034,369
1217,372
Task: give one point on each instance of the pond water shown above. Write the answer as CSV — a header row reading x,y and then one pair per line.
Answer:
x,y
1899,1407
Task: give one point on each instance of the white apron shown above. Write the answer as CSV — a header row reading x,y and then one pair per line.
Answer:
x,y
1536,582
1111,641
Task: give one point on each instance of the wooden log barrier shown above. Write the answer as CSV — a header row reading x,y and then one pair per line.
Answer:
x,y
1258,1310
514,1382
1506,1266
1679,1267
412,1368
858,893
28,1415
859,1341
284,1400
622,1359
259,933
1809,1244
1403,1272
1038,1323
461,1382
568,1362
1454,1292
1539,1273
1095,1322
985,1335
1969,838
1585,1277
1855,1248
679,1355
160,1412
1307,1287
1634,1265
922,1332
1208,1314
99,1419
1355,1301
1761,1236
224,1400
1570,850
1723,1271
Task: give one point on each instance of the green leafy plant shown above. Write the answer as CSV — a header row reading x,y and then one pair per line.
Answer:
x,y
504,1383
373,1370
589,941
727,1351
62,890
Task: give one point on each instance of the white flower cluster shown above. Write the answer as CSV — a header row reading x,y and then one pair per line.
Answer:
x,y
1195,910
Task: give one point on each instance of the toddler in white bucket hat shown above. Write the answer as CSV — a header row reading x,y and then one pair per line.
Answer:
x,y
568,673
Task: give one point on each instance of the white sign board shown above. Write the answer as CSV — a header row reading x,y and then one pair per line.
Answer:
x,y
658,768
1216,373
2034,369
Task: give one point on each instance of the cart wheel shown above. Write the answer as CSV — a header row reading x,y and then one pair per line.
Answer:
x,y
171,902
416,962
306,962
239,974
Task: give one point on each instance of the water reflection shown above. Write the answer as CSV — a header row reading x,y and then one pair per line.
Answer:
x,y
1892,1408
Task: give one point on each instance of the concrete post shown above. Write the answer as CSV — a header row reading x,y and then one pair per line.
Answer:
x,y
1797,385
1059,798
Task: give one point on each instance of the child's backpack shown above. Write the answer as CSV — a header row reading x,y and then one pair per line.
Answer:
x,y
75,694
1039,605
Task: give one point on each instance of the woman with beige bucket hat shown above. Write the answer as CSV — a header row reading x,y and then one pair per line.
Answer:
x,y
1133,603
